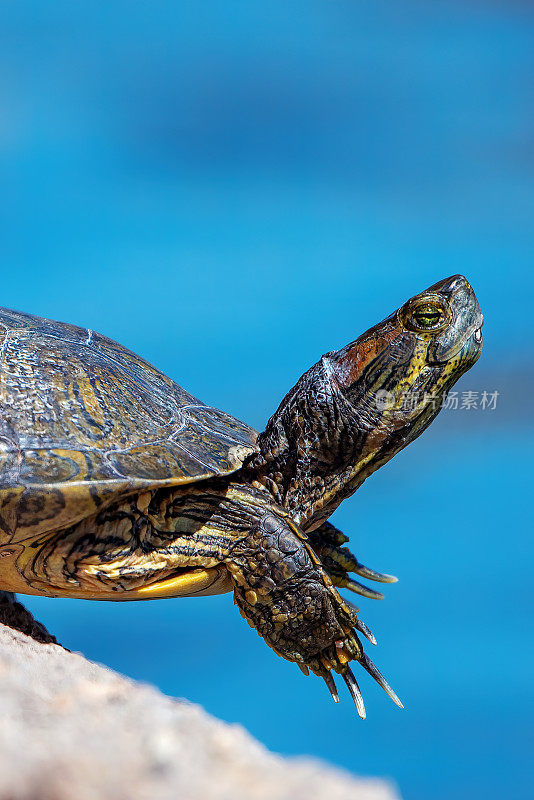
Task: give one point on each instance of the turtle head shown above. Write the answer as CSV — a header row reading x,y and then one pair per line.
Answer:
x,y
396,374
358,406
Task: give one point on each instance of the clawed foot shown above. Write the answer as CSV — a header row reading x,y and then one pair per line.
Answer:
x,y
338,561
337,658
327,542
285,587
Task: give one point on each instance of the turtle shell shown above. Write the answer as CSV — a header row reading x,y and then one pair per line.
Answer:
x,y
84,420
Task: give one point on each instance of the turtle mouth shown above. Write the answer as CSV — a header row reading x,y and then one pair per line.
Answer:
x,y
470,344
473,345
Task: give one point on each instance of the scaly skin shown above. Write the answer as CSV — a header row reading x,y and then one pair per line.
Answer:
x,y
281,586
285,594
330,432
261,530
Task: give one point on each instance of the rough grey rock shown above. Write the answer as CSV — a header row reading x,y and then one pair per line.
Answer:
x,y
73,730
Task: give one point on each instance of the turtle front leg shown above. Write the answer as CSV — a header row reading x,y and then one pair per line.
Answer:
x,y
283,591
338,561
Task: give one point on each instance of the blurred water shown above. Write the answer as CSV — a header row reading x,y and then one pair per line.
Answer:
x,y
232,190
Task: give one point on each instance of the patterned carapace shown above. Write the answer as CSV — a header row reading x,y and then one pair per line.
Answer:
x,y
116,484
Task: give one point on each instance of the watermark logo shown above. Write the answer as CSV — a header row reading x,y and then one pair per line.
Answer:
x,y
384,400
453,401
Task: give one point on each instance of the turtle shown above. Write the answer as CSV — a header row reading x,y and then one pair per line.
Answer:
x,y
117,484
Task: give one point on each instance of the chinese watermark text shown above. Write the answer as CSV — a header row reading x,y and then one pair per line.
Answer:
x,y
453,401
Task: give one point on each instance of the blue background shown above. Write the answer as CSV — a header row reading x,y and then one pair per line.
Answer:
x,y
232,189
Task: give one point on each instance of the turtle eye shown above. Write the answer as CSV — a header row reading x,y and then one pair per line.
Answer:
x,y
428,315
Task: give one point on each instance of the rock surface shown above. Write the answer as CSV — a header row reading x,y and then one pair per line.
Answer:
x,y
73,730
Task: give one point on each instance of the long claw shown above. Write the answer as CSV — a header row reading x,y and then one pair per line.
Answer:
x,y
358,588
303,668
362,627
328,679
372,574
342,558
375,673
354,689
